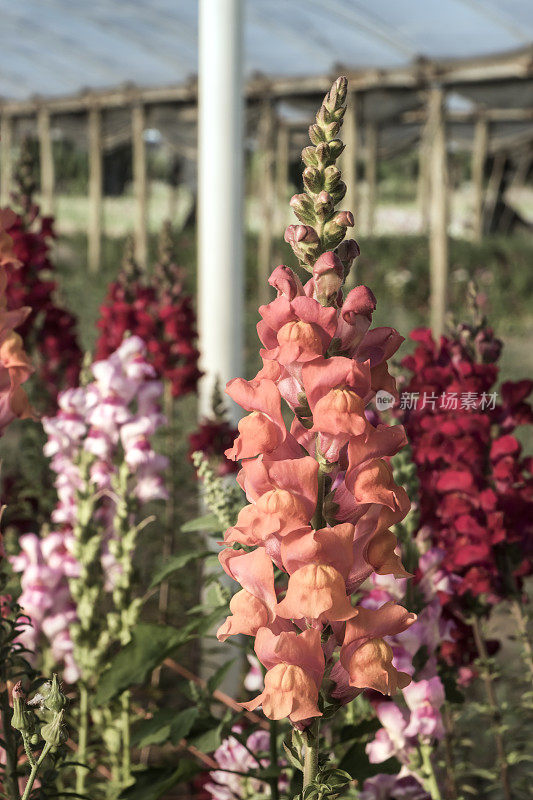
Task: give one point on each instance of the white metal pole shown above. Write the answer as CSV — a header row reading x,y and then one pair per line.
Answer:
x,y
220,195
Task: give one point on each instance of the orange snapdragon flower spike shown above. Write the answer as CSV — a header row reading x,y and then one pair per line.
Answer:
x,y
321,494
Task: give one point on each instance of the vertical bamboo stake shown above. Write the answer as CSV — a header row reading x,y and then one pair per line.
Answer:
x,y
6,161
282,171
371,159
350,156
94,231
423,188
265,186
140,184
47,160
438,233
479,158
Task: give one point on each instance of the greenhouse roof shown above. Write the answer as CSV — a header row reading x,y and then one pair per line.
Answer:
x,y
60,47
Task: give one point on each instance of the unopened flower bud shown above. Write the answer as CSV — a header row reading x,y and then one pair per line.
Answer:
x,y
323,154
345,219
324,205
309,156
348,251
337,94
22,719
313,179
304,241
328,275
316,134
55,732
53,697
302,206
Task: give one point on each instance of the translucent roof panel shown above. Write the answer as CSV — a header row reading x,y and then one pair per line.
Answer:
x,y
52,47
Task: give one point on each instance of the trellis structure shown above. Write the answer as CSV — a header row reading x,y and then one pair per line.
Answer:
x,y
389,110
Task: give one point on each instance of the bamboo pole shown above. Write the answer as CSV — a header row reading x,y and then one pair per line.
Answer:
x,y
265,188
350,156
283,143
6,161
140,184
94,228
438,231
47,160
371,162
479,158
423,187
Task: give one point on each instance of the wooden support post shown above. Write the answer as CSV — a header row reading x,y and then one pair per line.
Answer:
x,y
438,229
94,230
423,188
139,184
6,161
47,161
265,186
479,158
350,156
371,159
282,172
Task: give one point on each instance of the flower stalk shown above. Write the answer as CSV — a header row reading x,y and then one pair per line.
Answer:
x,y
322,496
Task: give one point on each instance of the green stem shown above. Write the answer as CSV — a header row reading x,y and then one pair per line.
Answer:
x,y
35,770
318,519
83,739
11,749
311,754
274,791
521,618
430,779
126,738
494,707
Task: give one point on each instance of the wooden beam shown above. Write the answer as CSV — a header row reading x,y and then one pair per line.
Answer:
x,y
479,158
438,217
6,160
371,164
418,75
46,160
94,227
140,186
265,194
350,156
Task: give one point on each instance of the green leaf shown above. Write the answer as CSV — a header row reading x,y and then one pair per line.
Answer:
x,y
182,725
175,563
208,741
292,754
153,783
208,523
355,762
149,646
153,731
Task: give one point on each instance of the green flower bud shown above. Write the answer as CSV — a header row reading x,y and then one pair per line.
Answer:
x,y
55,732
54,699
22,719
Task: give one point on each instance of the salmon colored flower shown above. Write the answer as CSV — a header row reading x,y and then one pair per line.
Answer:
x,y
262,431
295,667
366,657
316,592
283,494
321,496
297,330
